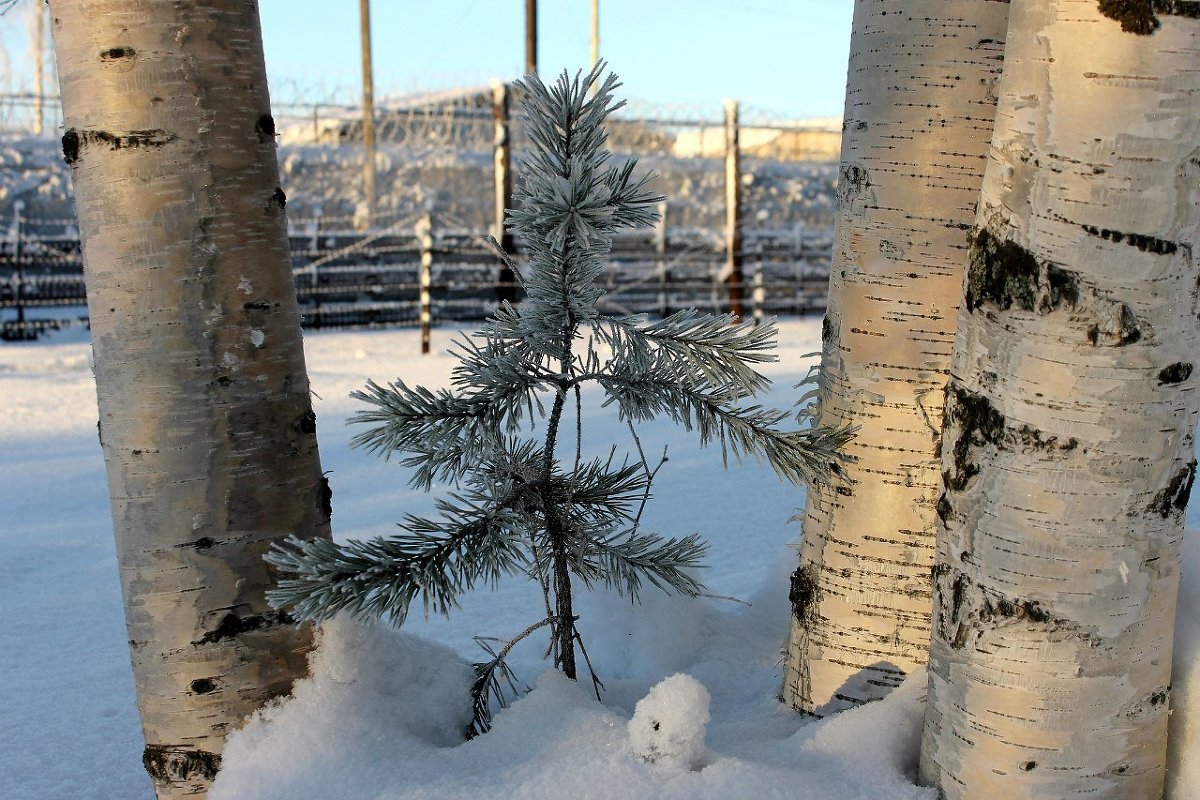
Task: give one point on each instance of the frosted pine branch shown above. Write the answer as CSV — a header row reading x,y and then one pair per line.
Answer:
x,y
622,561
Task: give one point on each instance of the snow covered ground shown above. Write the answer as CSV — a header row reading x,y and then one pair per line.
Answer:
x,y
380,716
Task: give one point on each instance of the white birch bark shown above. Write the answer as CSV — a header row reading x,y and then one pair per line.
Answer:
x,y
205,417
919,107
1071,409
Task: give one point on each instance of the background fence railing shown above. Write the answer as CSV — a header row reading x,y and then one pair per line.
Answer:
x,y
441,155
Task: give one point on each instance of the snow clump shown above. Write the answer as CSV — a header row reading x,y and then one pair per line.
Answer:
x,y
669,723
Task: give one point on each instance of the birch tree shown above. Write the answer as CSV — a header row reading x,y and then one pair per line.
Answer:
x,y
919,108
205,419
1071,408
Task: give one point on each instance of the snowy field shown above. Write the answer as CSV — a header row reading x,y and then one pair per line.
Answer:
x,y
379,718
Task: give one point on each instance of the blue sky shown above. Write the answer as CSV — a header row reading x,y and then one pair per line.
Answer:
x,y
782,56
787,57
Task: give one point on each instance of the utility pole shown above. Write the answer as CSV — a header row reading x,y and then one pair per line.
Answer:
x,y
530,37
364,11
595,32
39,66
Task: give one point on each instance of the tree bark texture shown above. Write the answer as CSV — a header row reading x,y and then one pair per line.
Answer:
x,y
919,108
205,418
1068,447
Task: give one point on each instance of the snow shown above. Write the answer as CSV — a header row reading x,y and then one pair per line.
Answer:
x,y
669,723
382,713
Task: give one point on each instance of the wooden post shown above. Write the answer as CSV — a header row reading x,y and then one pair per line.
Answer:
x,y
531,37
424,233
760,293
733,235
660,262
316,256
506,288
18,258
364,10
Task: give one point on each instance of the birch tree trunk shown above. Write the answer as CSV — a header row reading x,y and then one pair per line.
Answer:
x,y
205,418
1072,404
919,108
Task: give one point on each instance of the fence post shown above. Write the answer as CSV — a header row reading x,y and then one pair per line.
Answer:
x,y
316,257
734,281
660,262
760,293
506,288
425,237
18,257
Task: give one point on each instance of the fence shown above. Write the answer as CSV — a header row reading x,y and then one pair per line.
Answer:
x,y
748,221
427,269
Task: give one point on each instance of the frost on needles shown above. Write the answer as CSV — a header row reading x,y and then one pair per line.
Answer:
x,y
522,502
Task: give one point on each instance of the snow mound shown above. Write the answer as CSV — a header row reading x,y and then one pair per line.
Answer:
x,y
668,724
379,689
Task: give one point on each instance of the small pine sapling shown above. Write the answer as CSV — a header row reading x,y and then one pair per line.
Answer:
x,y
515,506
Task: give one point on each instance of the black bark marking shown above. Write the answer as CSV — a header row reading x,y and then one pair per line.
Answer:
x,y
204,685
325,499
70,146
853,182
117,53
257,305
1005,274
279,197
980,424
264,128
803,594
1003,608
1146,244
203,543
826,330
1120,329
1176,373
166,764
307,423
844,491
1140,17
74,141
944,510
962,607
231,625
1030,439
1151,705
1174,498
1028,766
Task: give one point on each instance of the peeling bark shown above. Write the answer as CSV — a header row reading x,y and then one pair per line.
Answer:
x,y
209,437
1069,453
919,106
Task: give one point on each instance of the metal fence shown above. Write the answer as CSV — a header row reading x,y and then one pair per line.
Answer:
x,y
437,160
